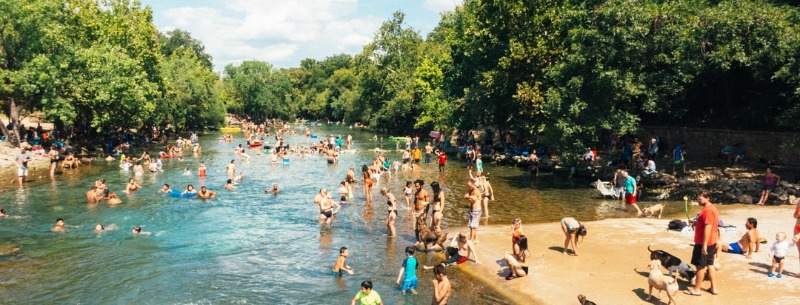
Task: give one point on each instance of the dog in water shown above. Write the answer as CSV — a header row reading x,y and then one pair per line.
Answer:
x,y
673,264
427,237
657,280
653,211
582,299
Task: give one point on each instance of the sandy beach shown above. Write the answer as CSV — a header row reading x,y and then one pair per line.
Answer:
x,y
613,264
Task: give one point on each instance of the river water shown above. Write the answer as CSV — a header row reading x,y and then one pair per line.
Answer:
x,y
247,247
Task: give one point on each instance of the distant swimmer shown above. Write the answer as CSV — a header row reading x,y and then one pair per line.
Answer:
x,y
206,193
186,172
189,190
231,168
238,178
132,186
229,184
113,199
165,189
201,170
275,190
137,230
100,228
59,228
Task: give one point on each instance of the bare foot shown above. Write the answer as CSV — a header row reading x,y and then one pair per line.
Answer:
x,y
413,291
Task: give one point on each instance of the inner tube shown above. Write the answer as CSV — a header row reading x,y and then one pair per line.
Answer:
x,y
176,193
285,161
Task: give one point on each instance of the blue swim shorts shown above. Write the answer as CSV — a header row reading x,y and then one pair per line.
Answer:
x,y
409,284
734,248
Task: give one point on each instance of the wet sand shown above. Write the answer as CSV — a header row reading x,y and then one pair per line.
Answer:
x,y
613,264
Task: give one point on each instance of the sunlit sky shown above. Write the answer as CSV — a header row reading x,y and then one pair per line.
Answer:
x,y
283,32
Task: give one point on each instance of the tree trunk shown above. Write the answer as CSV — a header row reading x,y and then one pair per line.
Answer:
x,y
12,135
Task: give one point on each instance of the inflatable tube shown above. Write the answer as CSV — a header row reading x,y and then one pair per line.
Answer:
x,y
313,136
175,193
255,144
285,161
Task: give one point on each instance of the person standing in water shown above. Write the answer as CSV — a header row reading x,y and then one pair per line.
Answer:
x,y
441,286
326,206
473,196
392,208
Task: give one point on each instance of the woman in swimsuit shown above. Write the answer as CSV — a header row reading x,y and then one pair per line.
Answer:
x,y
517,261
572,228
365,176
409,194
770,181
201,170
189,190
326,206
138,170
231,169
392,207
132,186
438,206
53,159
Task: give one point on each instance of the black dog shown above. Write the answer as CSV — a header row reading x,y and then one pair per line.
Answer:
x,y
672,263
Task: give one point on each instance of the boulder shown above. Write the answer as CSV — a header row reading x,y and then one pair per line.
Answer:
x,y
746,199
658,179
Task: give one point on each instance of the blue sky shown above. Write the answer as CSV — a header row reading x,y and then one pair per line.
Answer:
x,y
283,32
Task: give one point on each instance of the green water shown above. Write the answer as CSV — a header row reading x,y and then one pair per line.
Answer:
x,y
247,247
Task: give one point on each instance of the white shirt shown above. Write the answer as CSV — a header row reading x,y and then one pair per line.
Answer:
x,y
779,248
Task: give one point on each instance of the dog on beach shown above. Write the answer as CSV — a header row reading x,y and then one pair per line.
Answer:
x,y
582,299
427,237
657,280
653,210
673,264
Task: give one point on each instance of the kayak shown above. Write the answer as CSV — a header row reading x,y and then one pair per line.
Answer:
x,y
255,144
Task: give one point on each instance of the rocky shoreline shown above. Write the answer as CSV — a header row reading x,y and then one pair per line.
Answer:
x,y
739,184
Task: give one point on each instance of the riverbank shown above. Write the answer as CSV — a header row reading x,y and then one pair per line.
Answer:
x,y
612,266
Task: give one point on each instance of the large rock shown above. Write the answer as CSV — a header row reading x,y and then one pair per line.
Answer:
x,y
746,199
658,179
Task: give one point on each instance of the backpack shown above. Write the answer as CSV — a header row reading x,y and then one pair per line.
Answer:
x,y
676,225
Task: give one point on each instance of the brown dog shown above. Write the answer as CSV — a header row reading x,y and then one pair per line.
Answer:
x,y
427,237
653,210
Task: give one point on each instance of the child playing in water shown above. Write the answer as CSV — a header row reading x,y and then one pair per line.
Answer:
x,y
409,270
186,172
340,267
778,252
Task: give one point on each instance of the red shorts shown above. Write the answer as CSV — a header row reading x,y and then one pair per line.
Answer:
x,y
630,198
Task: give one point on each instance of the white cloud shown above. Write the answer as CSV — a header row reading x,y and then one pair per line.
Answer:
x,y
439,6
274,31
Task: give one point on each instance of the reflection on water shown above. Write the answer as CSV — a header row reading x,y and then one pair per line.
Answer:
x,y
246,246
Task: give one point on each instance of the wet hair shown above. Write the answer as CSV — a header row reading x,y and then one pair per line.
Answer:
x,y
364,168
753,222
420,182
435,186
522,242
188,186
130,179
704,194
233,161
137,229
230,181
2,211
342,249
366,285
60,219
410,250
408,183
343,182
101,227
167,185
439,269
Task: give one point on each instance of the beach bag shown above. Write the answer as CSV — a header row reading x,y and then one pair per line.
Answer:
x,y
676,224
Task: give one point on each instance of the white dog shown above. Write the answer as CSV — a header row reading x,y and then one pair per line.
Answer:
x,y
660,282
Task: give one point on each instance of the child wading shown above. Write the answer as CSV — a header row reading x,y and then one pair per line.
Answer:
x,y
409,268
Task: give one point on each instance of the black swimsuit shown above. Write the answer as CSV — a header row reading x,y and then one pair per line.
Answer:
x,y
328,213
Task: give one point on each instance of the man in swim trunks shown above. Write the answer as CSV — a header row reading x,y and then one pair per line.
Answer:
x,y
630,192
475,212
749,241
421,201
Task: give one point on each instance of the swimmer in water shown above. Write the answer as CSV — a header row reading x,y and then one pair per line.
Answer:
x,y
326,206
137,230
341,267
229,184
113,199
238,178
59,228
132,186
275,190
165,189
100,229
186,172
206,193
189,190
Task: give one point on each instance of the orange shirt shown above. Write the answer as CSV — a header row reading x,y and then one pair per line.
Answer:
x,y
709,215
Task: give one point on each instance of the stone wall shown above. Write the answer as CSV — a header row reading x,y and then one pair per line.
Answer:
x,y
702,143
